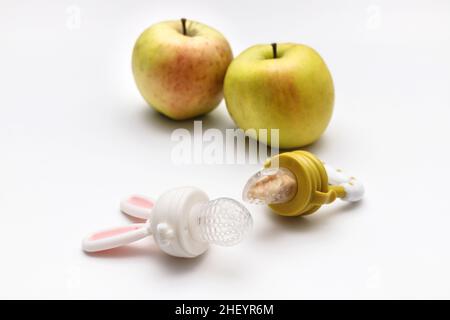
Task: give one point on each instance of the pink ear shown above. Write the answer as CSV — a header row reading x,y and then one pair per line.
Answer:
x,y
137,206
115,237
113,232
141,202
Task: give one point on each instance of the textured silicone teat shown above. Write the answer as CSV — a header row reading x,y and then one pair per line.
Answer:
x,y
222,221
269,186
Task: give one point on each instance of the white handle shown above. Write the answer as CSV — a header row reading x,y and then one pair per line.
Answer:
x,y
354,189
137,206
115,237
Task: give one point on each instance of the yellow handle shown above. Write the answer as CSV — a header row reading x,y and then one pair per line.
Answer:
x,y
312,184
320,198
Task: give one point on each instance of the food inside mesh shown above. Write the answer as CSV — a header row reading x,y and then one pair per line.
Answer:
x,y
271,186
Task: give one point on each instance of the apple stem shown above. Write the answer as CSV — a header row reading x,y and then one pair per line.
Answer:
x,y
183,24
274,50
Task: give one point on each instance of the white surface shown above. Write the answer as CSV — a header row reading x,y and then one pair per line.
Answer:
x,y
76,137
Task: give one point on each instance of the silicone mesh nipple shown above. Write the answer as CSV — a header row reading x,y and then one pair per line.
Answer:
x,y
221,221
271,185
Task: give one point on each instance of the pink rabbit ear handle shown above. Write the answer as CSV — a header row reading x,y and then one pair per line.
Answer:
x,y
115,237
137,206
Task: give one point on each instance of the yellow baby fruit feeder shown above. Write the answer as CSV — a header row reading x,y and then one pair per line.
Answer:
x,y
298,183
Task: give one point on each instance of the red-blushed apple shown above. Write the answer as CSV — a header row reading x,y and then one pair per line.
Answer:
x,y
286,87
179,67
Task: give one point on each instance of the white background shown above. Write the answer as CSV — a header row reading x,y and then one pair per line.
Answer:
x,y
76,136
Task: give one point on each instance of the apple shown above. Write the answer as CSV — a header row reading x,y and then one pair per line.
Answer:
x,y
286,86
179,67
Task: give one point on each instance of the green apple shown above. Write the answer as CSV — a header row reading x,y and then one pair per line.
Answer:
x,y
286,87
179,67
